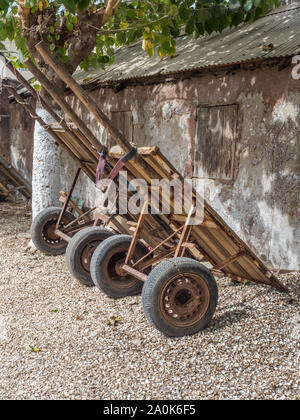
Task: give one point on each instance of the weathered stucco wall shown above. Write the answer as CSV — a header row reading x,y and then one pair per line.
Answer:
x,y
262,201
16,134
4,123
21,130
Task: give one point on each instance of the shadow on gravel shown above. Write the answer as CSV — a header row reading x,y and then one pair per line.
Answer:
x,y
295,289
229,318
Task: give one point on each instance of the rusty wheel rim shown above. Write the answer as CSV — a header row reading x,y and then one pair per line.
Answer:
x,y
184,300
117,276
86,255
49,236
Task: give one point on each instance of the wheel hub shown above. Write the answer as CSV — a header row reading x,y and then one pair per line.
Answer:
x,y
87,254
118,276
49,234
119,269
184,300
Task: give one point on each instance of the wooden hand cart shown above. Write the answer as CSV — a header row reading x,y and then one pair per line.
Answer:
x,y
179,294
164,256
56,230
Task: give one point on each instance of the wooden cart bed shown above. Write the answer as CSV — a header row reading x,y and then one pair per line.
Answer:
x,y
214,239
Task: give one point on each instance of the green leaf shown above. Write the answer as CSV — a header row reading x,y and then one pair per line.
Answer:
x,y
4,5
121,37
199,28
103,59
69,5
83,4
52,47
70,27
190,27
150,52
173,10
84,65
184,12
174,31
237,18
30,3
65,58
34,349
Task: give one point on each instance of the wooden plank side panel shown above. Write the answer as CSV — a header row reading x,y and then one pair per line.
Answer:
x,y
220,250
218,244
242,267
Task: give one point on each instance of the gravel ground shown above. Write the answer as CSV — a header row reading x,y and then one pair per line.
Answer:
x,y
55,341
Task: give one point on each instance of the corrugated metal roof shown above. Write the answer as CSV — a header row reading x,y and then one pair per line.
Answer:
x,y
244,43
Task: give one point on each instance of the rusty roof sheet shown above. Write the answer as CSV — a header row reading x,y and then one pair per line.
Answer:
x,y
280,28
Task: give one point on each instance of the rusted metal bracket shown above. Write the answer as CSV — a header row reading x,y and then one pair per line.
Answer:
x,y
136,234
185,233
62,235
66,203
135,273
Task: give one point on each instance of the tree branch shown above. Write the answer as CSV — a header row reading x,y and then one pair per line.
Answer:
x,y
111,8
138,26
117,5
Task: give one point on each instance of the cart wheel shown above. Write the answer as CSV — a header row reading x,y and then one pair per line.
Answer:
x,y
42,231
180,297
81,249
106,267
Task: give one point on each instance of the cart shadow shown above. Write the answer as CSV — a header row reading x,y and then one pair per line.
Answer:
x,y
230,317
294,290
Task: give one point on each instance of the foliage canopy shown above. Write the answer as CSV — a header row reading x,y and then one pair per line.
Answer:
x,y
86,32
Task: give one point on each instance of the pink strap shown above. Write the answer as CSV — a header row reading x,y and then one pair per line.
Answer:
x,y
116,169
100,168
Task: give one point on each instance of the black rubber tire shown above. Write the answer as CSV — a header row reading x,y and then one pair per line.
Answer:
x,y
156,285
93,235
102,267
47,215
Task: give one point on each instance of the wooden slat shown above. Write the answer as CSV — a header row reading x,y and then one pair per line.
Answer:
x,y
228,261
